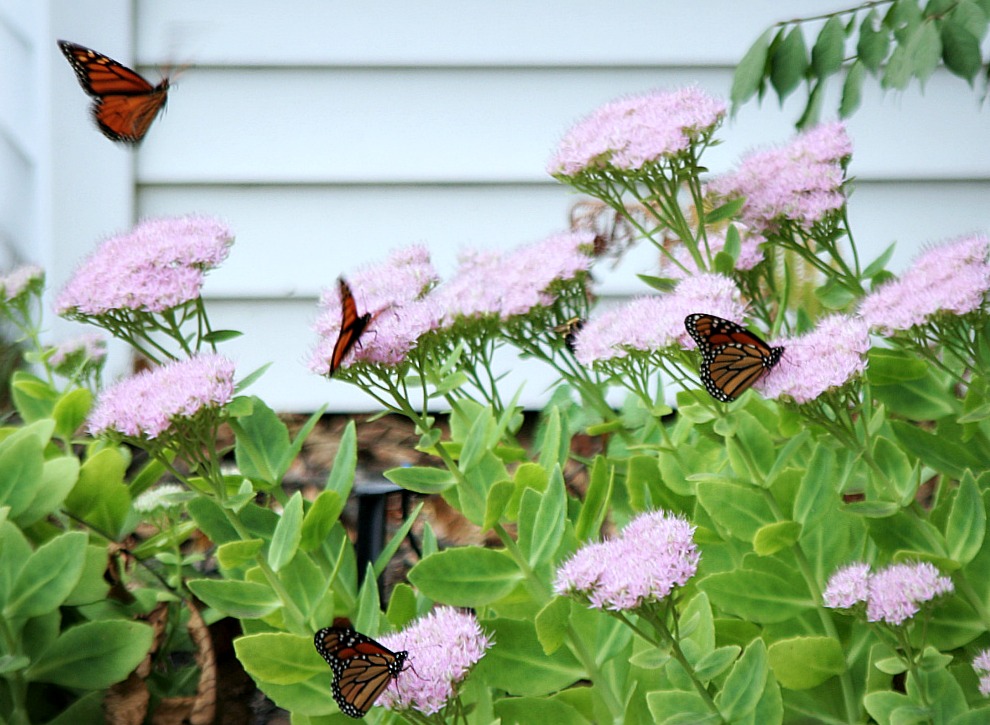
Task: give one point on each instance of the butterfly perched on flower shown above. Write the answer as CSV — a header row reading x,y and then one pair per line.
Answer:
x,y
362,668
352,326
124,103
732,357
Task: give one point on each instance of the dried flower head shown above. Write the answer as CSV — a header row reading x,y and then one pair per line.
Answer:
x,y
827,357
652,323
633,132
800,182
952,278
158,265
654,554
443,646
149,403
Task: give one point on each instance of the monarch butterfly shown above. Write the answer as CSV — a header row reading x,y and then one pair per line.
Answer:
x,y
352,325
362,668
124,103
732,358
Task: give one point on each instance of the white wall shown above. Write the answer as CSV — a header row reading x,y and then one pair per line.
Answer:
x,y
327,133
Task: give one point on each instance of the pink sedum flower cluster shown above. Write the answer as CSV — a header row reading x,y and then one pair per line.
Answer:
x,y
827,357
952,277
149,403
443,646
654,554
633,132
90,346
513,282
892,595
981,663
21,280
160,264
653,323
396,294
800,182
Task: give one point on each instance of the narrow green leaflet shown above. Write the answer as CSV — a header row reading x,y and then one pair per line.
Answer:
x,y
967,525
828,51
288,533
748,78
789,62
744,685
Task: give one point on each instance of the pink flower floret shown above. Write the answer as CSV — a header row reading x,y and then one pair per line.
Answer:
x,y
827,357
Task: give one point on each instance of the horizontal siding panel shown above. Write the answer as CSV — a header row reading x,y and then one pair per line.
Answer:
x,y
292,242
484,125
452,32
278,332
269,257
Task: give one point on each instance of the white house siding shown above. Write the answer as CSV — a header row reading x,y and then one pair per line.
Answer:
x,y
328,133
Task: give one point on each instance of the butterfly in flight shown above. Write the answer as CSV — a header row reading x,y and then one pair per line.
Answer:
x,y
732,357
124,103
362,668
352,326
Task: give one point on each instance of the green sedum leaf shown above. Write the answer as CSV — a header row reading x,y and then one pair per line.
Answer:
x,y
800,663
468,576
48,576
93,655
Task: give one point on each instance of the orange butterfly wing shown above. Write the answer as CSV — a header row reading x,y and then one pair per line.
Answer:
x,y
352,326
124,103
733,358
362,668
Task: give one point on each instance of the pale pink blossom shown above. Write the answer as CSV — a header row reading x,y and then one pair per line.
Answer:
x,y
800,182
952,277
654,554
149,403
633,132
443,646
160,264
656,322
827,357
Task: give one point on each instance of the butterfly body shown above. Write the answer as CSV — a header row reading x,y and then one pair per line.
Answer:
x,y
124,103
732,357
362,668
352,326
